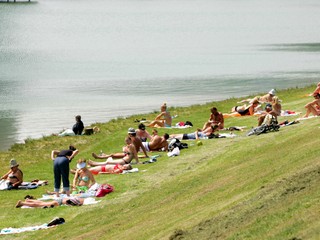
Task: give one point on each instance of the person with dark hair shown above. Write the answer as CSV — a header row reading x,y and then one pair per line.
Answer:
x,y
216,118
157,144
199,134
313,107
78,126
61,160
244,110
142,133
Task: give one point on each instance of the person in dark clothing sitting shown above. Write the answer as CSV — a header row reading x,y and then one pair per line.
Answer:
x,y
78,127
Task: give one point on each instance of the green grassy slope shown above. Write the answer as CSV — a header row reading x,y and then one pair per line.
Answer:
x,y
258,187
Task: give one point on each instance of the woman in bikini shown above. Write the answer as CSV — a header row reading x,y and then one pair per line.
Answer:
x,y
129,153
164,119
110,168
244,110
83,178
14,177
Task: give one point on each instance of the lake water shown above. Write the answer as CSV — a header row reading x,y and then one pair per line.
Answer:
x,y
108,58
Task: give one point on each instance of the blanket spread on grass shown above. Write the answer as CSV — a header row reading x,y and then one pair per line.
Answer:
x,y
23,229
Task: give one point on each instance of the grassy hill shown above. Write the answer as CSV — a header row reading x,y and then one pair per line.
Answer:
x,y
257,187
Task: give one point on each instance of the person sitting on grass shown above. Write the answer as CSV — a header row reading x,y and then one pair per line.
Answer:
x,y
69,201
164,119
142,133
313,107
14,177
216,118
129,153
157,144
103,167
316,91
83,178
199,134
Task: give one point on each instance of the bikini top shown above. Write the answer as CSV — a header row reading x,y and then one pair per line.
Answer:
x,y
85,178
117,167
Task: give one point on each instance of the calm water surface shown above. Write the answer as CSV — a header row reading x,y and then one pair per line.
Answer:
x,y
110,58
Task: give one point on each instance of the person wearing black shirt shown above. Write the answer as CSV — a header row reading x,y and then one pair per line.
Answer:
x,y
61,168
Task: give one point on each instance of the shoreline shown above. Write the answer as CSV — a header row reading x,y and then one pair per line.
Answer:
x,y
152,111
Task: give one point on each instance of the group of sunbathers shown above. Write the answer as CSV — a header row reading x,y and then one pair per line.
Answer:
x,y
141,141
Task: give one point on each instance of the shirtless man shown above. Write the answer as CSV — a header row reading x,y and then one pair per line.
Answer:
x,y
216,118
313,107
158,143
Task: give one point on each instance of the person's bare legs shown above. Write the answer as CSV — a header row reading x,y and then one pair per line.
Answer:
x,y
311,109
206,125
177,136
120,161
105,156
93,164
36,203
156,123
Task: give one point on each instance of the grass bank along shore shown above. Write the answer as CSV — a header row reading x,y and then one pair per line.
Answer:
x,y
258,187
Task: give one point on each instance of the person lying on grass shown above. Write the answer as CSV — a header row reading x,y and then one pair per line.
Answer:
x,y
199,134
244,110
101,168
157,143
69,201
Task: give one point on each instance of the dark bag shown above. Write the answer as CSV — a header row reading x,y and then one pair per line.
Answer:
x,y
176,143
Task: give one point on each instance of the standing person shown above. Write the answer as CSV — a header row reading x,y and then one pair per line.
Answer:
x,y
14,177
164,119
61,168
78,126
216,118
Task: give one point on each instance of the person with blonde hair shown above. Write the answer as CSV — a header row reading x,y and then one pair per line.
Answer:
x,y
276,106
164,119
83,178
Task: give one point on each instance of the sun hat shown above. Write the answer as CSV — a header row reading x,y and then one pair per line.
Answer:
x,y
13,163
81,165
272,92
131,131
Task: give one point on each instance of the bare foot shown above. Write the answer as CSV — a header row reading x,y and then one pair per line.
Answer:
x,y
19,204
95,156
90,163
